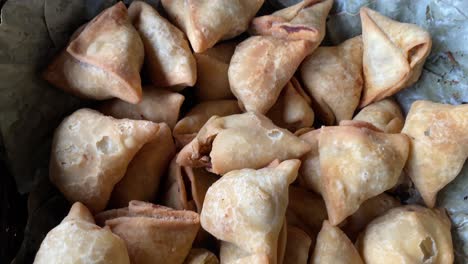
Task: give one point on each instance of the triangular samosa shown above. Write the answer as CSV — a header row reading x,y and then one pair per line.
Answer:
x,y
439,145
357,163
90,154
168,57
103,59
205,22
248,140
260,68
247,207
333,78
393,55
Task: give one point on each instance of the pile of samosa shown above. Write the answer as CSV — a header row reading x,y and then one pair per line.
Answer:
x,y
243,176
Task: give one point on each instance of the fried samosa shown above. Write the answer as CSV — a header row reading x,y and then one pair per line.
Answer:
x,y
386,115
305,20
90,154
368,211
408,234
152,232
188,127
144,173
297,247
248,140
333,246
157,105
201,256
247,207
357,164
212,72
292,110
260,68
439,145
103,59
207,22
77,239
393,55
168,57
333,78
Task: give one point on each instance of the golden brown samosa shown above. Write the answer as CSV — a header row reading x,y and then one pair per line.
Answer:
x,y
207,22
439,145
168,57
247,207
77,239
386,115
333,246
393,55
297,247
157,105
292,110
408,234
144,173
152,232
201,256
368,211
248,140
103,59
357,163
305,20
333,78
260,67
188,127
90,154
212,72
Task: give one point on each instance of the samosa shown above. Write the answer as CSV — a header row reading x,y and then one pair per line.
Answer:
x,y
207,22
168,57
248,140
439,145
102,60
90,154
393,55
247,207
